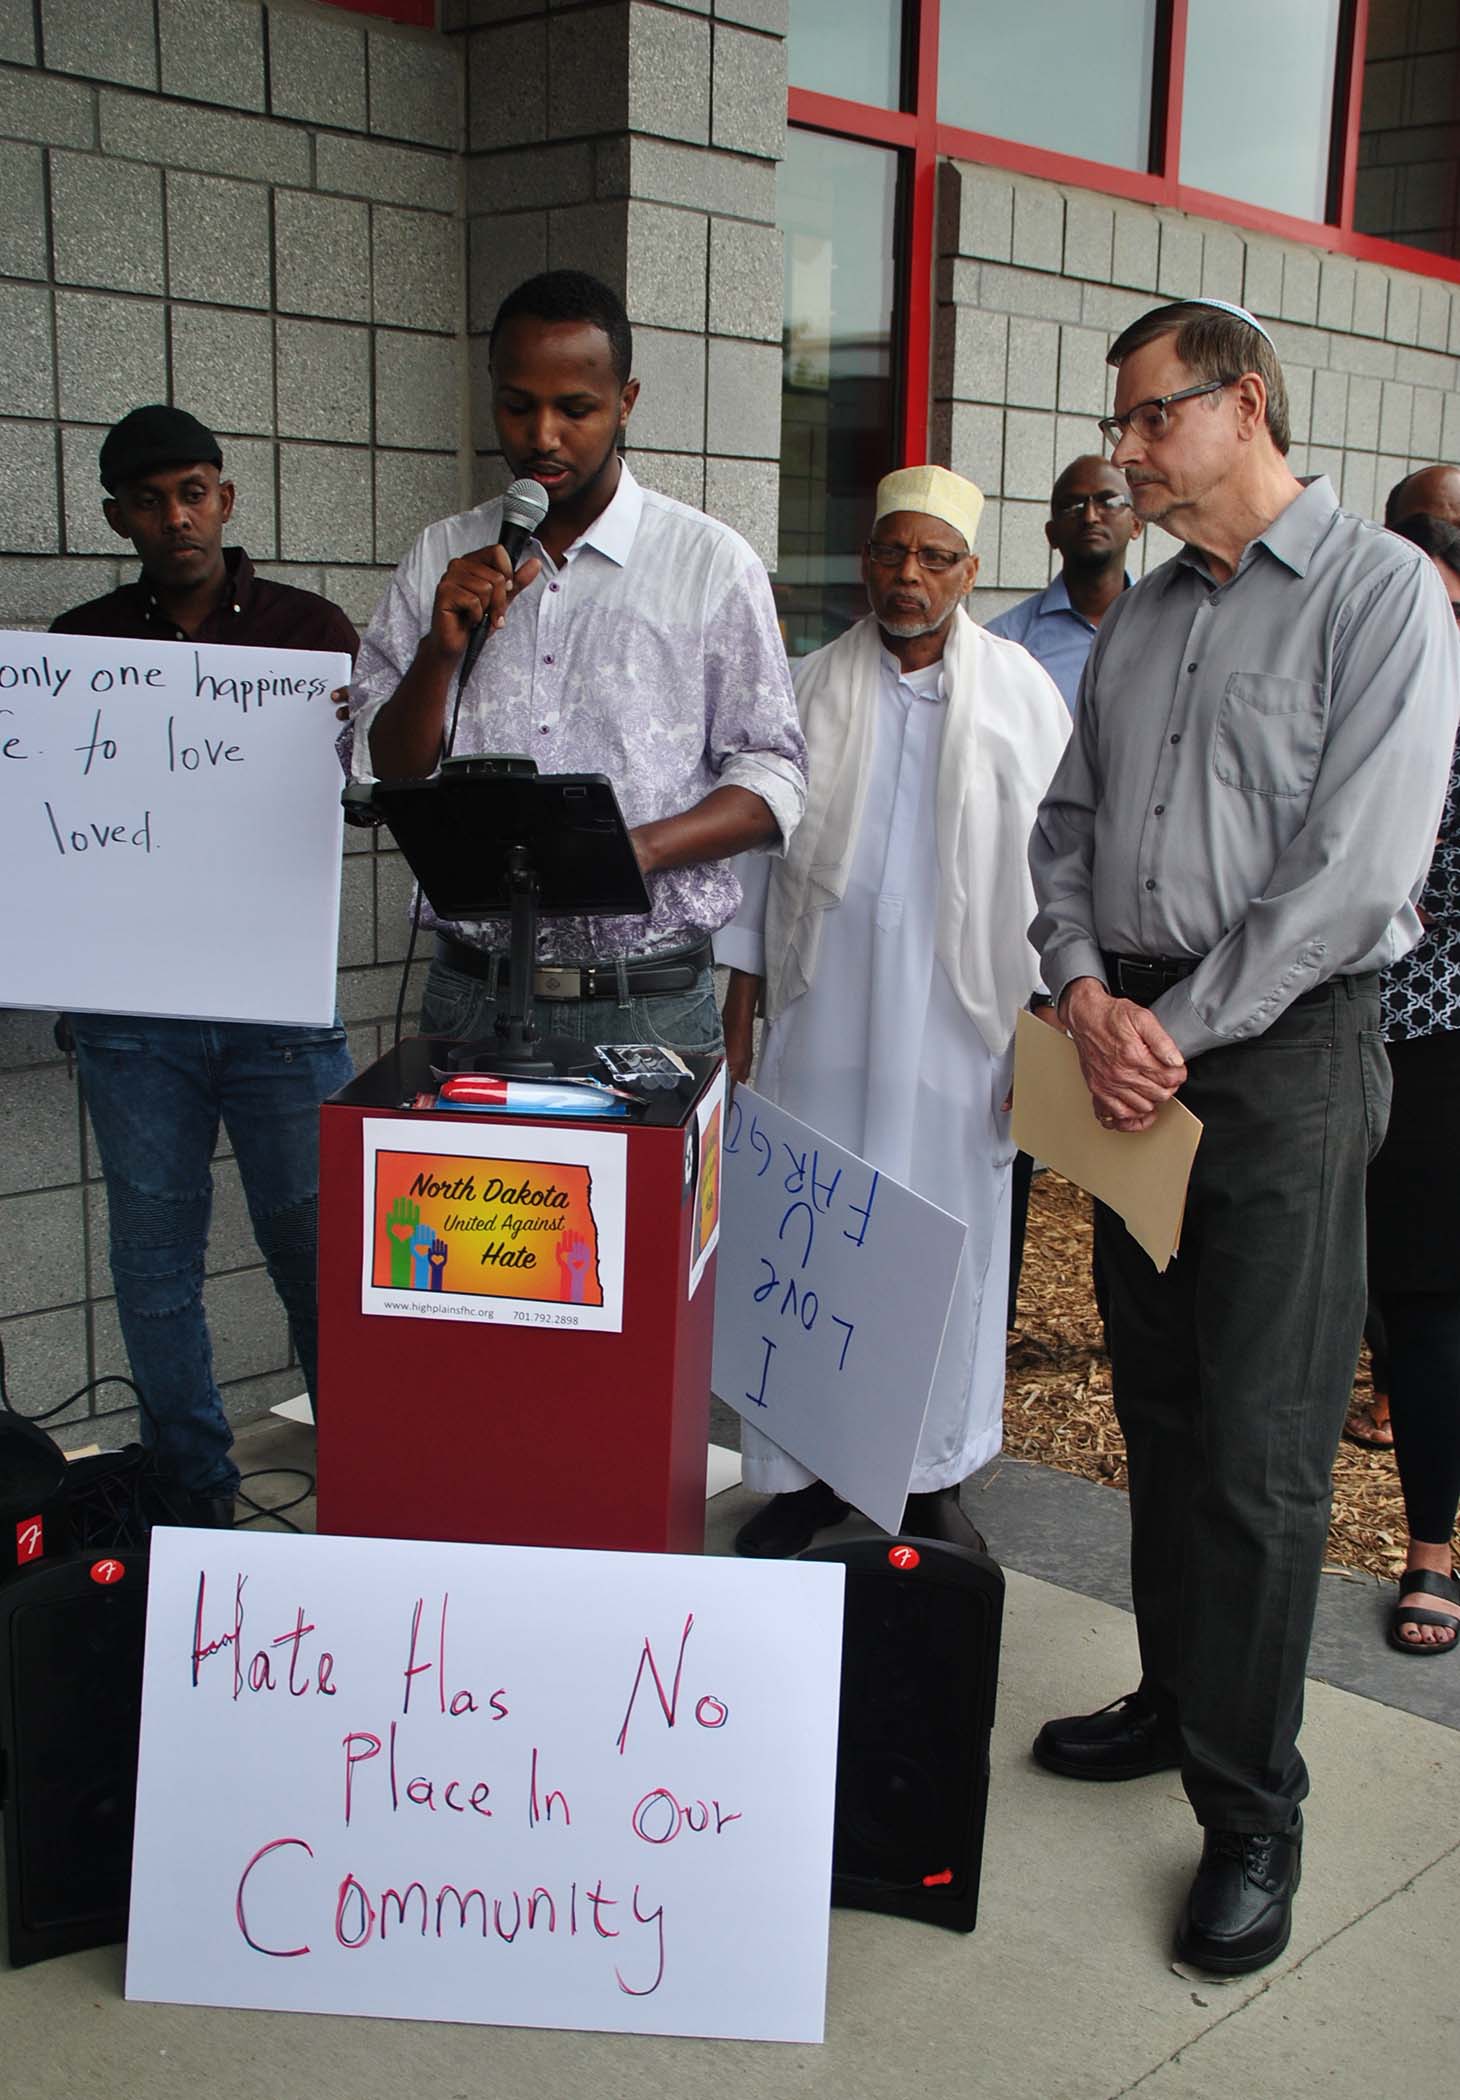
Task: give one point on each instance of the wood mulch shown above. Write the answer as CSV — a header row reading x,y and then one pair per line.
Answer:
x,y
1057,1406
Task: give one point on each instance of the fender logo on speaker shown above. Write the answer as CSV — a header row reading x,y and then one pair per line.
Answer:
x,y
107,1571
30,1540
904,1556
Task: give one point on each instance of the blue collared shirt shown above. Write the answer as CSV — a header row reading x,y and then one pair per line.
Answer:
x,y
1053,632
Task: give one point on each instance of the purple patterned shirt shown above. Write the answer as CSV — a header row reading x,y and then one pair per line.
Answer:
x,y
651,653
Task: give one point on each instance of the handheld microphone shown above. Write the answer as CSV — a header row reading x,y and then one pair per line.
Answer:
x,y
524,507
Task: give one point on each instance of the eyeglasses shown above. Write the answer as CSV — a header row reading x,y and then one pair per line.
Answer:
x,y
888,554
1105,501
1151,419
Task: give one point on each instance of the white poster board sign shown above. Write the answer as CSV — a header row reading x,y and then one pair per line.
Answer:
x,y
487,1783
506,1223
831,1297
170,827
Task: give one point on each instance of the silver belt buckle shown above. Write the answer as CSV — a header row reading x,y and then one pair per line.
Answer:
x,y
551,983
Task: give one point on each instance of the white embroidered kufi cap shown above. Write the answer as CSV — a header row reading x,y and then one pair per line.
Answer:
x,y
936,493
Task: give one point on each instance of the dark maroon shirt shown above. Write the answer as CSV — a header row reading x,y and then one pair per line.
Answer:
x,y
252,614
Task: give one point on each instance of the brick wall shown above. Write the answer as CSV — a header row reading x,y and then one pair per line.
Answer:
x,y
1034,283
640,142
256,213
263,212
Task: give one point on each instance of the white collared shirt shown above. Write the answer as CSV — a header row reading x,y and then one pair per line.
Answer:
x,y
650,653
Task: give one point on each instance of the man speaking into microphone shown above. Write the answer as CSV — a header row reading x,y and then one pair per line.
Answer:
x,y
635,637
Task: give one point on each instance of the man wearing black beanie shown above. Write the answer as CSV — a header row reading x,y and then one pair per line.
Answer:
x,y
157,1089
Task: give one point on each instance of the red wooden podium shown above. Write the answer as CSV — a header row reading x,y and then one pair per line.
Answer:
x,y
520,1435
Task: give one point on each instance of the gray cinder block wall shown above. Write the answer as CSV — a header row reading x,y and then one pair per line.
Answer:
x,y
1036,280
262,212
640,142
254,213
297,223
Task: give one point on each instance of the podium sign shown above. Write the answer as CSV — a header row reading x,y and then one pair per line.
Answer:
x,y
468,1219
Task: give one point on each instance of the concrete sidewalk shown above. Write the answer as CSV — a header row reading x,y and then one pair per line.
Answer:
x,y
1065,1992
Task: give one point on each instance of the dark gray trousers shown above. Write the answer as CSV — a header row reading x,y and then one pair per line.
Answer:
x,y
1232,1373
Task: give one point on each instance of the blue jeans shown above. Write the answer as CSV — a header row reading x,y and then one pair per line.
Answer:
x,y
455,1004
156,1091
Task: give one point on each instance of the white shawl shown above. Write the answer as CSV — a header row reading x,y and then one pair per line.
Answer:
x,y
1005,731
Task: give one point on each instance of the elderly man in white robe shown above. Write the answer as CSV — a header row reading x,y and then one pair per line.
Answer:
x,y
888,953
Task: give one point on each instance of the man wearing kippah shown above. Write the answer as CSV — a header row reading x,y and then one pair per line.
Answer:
x,y
889,953
1229,854
157,1089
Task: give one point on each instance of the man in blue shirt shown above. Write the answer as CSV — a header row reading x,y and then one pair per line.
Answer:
x,y
1091,524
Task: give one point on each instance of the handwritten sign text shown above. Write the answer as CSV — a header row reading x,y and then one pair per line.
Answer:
x,y
831,1297
487,1783
176,806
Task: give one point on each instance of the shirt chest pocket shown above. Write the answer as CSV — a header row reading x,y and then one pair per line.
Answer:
x,y
1269,734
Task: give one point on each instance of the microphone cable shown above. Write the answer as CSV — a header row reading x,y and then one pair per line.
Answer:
x,y
524,507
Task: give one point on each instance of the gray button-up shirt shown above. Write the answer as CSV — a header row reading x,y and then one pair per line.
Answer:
x,y
1256,773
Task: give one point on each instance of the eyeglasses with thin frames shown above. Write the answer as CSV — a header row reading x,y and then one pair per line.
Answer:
x,y
890,554
1107,501
1152,419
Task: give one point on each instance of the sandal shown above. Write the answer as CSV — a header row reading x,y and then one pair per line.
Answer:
x,y
1429,1585
1368,1423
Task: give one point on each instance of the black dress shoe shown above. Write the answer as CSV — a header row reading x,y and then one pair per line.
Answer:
x,y
1123,1741
788,1523
165,1502
212,1512
938,1514
1240,1910
201,1512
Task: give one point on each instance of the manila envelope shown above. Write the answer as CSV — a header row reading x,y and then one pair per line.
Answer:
x,y
1142,1175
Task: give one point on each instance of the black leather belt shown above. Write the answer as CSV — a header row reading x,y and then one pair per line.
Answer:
x,y
1143,978
677,970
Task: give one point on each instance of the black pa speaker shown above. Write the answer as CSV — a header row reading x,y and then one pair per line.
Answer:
x,y
920,1666
71,1636
32,1495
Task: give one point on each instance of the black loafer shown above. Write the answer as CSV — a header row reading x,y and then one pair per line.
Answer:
x,y
938,1514
788,1523
1125,1740
1240,1910
209,1512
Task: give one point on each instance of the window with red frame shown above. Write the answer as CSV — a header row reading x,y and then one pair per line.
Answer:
x,y
837,204
1407,185
1335,122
